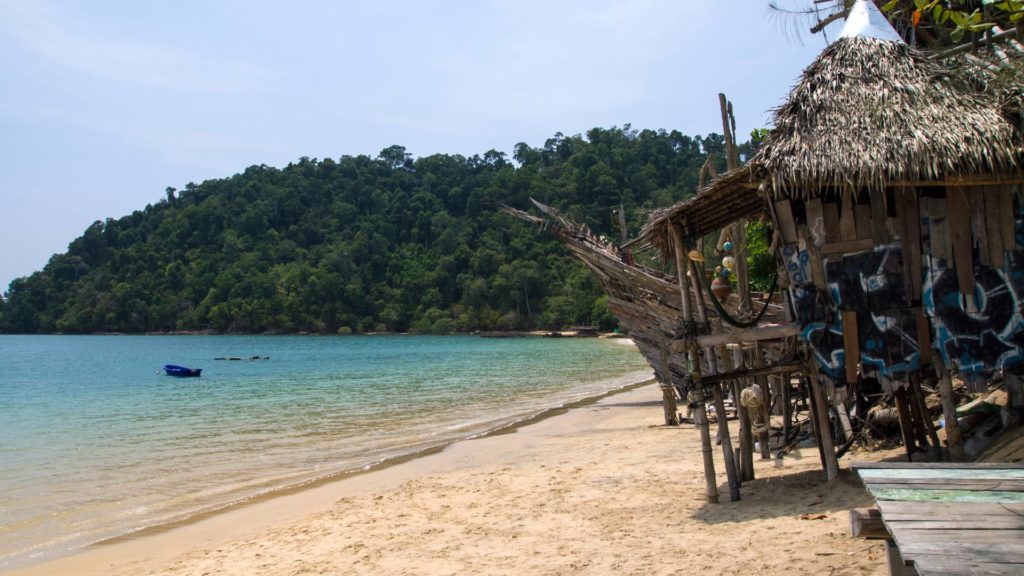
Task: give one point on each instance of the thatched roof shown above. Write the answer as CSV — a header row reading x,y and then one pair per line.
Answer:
x,y
731,197
870,112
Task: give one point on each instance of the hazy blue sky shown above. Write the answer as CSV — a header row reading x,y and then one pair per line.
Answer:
x,y
103,104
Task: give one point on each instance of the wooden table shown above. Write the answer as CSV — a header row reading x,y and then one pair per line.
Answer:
x,y
951,518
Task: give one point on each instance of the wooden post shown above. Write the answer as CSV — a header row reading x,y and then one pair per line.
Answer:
x,y
762,381
820,408
906,425
867,523
668,391
746,460
787,407
953,439
926,417
700,414
730,464
738,231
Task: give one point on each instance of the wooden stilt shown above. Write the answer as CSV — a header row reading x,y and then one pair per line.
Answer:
x,y
923,417
787,407
816,426
668,391
730,465
953,437
821,415
906,423
762,381
700,414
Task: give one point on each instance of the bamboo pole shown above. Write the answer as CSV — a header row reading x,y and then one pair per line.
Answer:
x,y
700,414
730,464
762,381
738,231
668,392
953,437
787,407
746,453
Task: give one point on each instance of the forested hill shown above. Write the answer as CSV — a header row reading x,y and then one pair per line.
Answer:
x,y
361,244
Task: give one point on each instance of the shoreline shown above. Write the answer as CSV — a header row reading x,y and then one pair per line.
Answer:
x,y
602,486
510,427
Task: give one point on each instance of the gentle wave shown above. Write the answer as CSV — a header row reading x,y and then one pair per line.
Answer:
x,y
96,445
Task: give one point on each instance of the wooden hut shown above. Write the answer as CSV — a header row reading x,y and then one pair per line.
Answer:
x,y
892,182
892,188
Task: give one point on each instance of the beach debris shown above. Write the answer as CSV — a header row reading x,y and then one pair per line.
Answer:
x,y
813,516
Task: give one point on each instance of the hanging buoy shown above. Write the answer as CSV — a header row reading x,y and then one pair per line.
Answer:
x,y
721,287
725,273
727,246
729,262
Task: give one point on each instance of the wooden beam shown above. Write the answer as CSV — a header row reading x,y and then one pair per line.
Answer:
x,y
757,333
867,523
847,246
793,366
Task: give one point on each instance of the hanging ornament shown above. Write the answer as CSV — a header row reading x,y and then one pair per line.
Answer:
x,y
721,288
725,273
727,246
696,256
729,262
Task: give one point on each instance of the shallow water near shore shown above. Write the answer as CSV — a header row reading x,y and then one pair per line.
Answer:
x,y
96,442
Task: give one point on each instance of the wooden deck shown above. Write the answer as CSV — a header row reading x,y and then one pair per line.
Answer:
x,y
948,518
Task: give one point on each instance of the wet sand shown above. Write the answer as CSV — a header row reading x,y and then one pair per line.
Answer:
x,y
601,489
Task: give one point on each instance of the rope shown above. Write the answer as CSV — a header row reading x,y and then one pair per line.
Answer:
x,y
727,317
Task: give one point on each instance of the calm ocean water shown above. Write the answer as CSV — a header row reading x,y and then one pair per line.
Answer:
x,y
95,442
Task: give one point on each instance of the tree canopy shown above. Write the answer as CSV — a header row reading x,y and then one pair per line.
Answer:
x,y
361,244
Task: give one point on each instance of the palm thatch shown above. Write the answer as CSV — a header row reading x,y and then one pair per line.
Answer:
x,y
867,113
730,197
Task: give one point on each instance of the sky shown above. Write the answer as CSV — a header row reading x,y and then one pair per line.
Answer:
x,y
105,104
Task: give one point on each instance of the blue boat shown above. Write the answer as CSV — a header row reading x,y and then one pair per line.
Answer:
x,y
182,371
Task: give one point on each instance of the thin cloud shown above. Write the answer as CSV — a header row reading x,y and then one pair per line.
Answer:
x,y
72,42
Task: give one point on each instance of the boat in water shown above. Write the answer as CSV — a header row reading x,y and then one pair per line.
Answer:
x,y
181,371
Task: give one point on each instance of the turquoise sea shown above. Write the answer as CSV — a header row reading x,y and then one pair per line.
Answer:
x,y
96,442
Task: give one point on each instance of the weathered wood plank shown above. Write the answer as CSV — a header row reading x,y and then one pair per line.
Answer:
x,y
787,226
816,221
751,372
934,510
939,226
867,523
993,230
847,246
847,224
1006,223
946,484
862,217
940,565
851,344
874,474
865,465
910,216
879,218
977,522
979,231
830,214
958,210
766,332
994,496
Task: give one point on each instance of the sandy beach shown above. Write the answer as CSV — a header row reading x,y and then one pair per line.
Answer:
x,y
600,489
